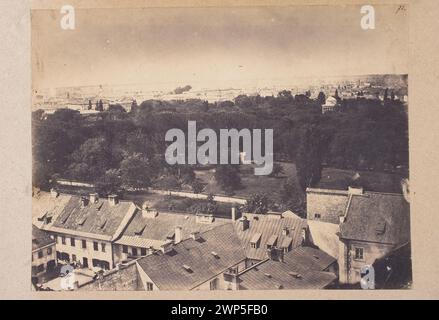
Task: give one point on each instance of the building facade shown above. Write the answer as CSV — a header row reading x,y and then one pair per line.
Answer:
x,y
43,253
83,228
369,225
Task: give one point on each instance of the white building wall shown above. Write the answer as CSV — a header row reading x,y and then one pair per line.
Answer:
x,y
87,252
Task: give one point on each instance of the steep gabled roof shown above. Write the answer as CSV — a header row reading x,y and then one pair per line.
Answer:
x,y
269,227
44,206
100,219
377,217
302,268
192,262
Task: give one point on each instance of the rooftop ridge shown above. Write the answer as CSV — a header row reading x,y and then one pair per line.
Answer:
x,y
346,192
384,193
253,266
331,191
201,233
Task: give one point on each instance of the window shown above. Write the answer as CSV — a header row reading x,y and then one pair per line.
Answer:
x,y
72,241
103,247
73,257
65,256
317,216
105,265
84,244
359,254
255,240
125,249
85,262
40,254
49,251
40,268
95,246
134,251
149,286
143,252
214,284
63,240
55,237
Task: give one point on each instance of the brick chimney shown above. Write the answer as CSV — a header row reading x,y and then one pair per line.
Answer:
x,y
177,235
231,278
84,201
147,212
54,193
195,235
304,234
244,224
236,213
275,254
280,254
113,199
166,247
94,197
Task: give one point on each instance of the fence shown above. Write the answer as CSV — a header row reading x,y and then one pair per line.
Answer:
x,y
198,196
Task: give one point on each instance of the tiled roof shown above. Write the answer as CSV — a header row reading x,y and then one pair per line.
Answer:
x,y
140,242
100,218
191,262
304,258
268,226
40,239
377,217
157,229
299,270
46,205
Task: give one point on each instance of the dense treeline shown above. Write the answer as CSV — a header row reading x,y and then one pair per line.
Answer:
x,y
115,149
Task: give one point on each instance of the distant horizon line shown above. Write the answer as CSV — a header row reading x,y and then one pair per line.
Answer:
x,y
248,80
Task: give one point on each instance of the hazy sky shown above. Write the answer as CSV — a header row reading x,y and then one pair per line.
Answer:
x,y
214,45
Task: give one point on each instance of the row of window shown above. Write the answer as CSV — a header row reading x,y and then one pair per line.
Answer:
x,y
134,251
83,243
42,267
83,262
38,269
41,253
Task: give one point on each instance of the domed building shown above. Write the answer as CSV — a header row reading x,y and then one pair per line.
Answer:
x,y
329,105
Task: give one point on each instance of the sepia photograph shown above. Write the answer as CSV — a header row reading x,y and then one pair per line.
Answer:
x,y
220,148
